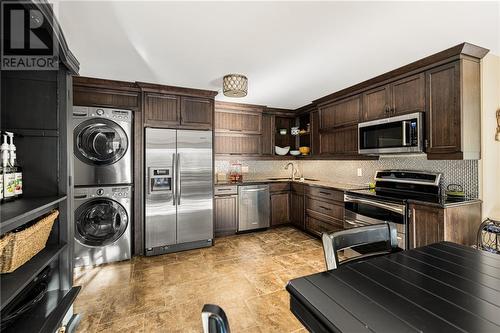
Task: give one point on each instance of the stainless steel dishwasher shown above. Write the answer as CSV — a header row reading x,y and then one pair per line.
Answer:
x,y
253,207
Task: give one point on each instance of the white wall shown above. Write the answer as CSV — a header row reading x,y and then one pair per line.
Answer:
x,y
490,151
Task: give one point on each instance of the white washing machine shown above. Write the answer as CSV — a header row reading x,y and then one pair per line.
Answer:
x,y
103,219
102,146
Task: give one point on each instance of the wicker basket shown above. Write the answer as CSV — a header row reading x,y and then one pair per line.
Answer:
x,y
25,244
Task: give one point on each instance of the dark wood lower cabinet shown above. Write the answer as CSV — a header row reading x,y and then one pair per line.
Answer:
x,y
297,209
280,209
225,215
318,223
430,224
426,225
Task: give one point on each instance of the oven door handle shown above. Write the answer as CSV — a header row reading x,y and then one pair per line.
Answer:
x,y
356,223
400,209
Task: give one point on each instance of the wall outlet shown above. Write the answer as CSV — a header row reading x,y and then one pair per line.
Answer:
x,y
360,172
244,168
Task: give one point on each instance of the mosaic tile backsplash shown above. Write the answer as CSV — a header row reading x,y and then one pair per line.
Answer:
x,y
465,173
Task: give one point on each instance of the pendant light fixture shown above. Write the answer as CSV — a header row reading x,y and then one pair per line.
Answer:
x,y
235,85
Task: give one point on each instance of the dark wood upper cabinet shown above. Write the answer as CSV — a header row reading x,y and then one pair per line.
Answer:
x,y
376,103
267,138
237,144
340,113
244,122
177,107
280,209
197,112
340,141
315,141
454,111
161,110
408,95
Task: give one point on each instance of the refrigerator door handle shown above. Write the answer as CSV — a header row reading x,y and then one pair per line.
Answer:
x,y
174,168
178,175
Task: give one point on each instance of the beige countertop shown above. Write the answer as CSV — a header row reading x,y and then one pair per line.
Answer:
x,y
309,182
443,202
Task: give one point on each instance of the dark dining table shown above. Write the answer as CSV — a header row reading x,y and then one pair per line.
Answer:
x,y
442,287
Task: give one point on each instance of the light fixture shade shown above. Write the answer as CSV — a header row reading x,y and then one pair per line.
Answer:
x,y
235,85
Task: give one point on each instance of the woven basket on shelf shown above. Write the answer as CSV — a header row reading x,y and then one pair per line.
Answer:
x,y
25,244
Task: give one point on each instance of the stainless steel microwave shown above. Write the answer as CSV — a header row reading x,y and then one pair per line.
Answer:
x,y
394,135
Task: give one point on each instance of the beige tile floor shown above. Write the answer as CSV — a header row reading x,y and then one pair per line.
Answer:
x,y
245,274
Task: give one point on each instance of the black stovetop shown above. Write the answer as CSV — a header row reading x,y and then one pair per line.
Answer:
x,y
404,196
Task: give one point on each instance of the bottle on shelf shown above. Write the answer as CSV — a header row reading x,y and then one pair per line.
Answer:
x,y
18,171
8,174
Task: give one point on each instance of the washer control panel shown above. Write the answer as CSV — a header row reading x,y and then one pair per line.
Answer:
x,y
115,192
113,114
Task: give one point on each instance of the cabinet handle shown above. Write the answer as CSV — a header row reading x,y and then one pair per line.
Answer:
x,y
387,109
393,110
327,193
235,130
325,208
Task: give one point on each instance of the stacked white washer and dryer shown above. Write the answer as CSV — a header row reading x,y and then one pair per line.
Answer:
x,y
103,184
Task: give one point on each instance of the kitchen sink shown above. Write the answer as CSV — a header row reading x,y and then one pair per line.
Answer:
x,y
287,178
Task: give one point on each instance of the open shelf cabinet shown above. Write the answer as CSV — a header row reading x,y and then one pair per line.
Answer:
x,y
37,107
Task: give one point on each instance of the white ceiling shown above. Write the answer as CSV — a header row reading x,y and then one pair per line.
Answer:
x,y
292,52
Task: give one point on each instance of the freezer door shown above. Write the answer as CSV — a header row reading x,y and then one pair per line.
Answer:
x,y
195,186
161,210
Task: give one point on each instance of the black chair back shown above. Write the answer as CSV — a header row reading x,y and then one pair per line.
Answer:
x,y
214,319
385,235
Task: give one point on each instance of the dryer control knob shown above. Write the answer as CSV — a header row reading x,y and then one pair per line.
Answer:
x,y
100,112
100,191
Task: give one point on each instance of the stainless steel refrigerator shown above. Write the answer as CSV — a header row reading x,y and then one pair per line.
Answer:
x,y
179,190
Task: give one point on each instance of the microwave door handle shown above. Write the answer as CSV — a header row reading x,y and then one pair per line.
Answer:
x,y
406,132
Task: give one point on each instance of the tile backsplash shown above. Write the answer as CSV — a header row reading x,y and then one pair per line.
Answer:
x,y
465,173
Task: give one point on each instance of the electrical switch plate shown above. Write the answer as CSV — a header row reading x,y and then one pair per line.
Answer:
x,y
360,172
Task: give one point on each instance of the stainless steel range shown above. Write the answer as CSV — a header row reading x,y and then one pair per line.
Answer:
x,y
388,201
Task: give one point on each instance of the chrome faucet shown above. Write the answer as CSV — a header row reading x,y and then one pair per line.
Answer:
x,y
293,169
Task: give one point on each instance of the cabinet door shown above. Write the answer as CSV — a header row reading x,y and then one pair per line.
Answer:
x,y
226,215
408,95
340,113
280,209
426,225
341,141
376,103
297,209
238,121
237,144
196,112
443,109
315,145
161,110
267,134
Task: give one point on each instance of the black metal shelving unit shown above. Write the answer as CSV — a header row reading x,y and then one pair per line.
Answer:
x,y
36,106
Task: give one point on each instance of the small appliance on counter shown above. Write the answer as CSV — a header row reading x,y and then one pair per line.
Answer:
x,y
235,173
